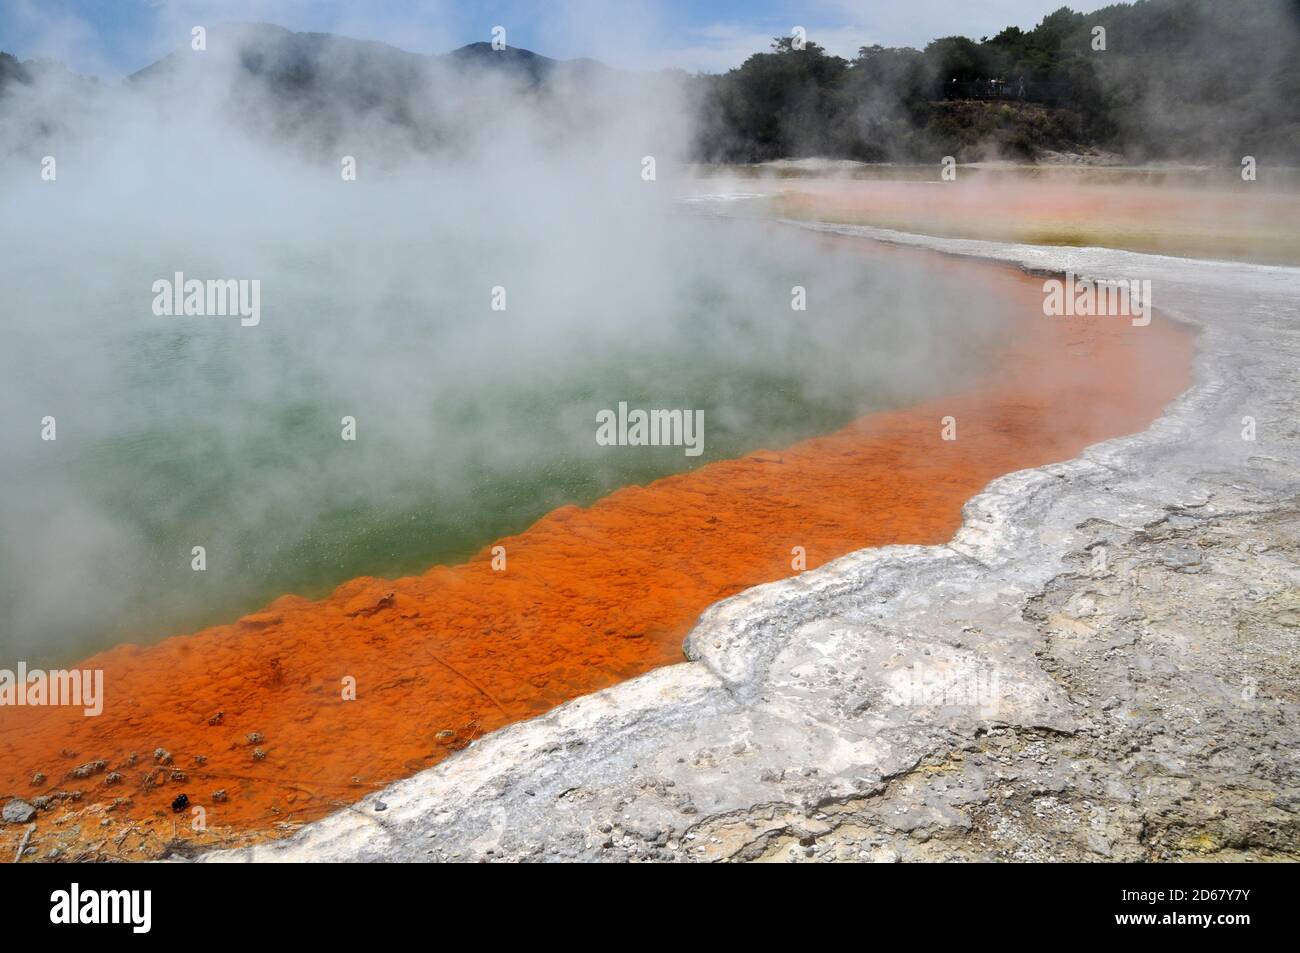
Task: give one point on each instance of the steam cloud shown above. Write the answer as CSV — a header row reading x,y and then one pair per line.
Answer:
x,y
174,432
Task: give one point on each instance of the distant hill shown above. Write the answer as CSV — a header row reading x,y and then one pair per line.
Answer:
x,y
297,59
534,66
292,62
315,91
12,71
321,85
1177,79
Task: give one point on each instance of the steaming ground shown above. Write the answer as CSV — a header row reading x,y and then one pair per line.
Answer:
x,y
175,432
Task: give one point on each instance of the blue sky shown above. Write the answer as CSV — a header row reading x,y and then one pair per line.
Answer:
x,y
114,37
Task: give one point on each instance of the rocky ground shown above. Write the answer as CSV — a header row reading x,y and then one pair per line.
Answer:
x,y
1102,665
1147,769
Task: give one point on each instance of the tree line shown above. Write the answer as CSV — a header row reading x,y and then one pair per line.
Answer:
x,y
1156,79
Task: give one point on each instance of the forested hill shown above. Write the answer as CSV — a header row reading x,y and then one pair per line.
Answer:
x,y
1156,79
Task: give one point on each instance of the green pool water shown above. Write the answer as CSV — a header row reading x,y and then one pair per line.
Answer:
x,y
471,424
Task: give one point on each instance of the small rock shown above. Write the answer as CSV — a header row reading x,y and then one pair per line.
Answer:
x,y
1180,557
255,738
162,755
87,769
219,795
380,806
259,754
18,811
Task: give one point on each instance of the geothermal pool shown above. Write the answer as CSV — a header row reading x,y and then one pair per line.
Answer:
x,y
824,434
470,423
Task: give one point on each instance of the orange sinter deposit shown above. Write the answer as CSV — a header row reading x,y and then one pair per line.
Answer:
x,y
588,597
